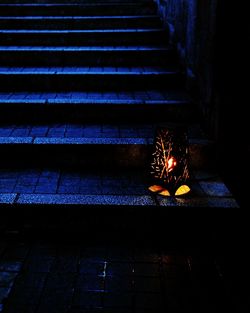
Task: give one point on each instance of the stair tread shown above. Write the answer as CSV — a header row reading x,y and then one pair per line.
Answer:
x,y
139,96
86,48
80,70
89,133
80,31
88,4
60,187
72,17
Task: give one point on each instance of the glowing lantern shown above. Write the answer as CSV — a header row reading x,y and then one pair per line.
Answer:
x,y
170,162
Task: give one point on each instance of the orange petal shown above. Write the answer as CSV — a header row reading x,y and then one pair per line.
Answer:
x,y
165,193
156,188
182,190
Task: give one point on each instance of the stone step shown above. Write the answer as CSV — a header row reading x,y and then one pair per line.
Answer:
x,y
121,106
77,9
79,22
92,56
88,78
83,37
123,145
107,195
116,204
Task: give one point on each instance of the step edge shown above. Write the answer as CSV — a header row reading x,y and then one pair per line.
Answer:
x,y
26,200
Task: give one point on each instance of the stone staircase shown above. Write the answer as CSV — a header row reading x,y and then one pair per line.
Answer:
x,y
83,85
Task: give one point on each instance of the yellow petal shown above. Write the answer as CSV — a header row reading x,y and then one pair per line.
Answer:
x,y
164,193
155,188
182,190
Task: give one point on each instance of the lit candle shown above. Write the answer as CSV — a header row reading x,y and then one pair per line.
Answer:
x,y
171,163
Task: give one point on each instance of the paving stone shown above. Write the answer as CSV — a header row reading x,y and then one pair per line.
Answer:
x,y
25,296
2,248
10,266
50,174
112,285
65,264
74,189
175,272
91,268
38,131
5,189
5,132
90,283
85,200
43,250
16,140
21,132
20,308
4,293
120,269
149,301
179,302
20,188
7,279
147,269
120,255
38,264
94,253
118,300
202,202
100,310
56,300
171,259
60,280
45,189
216,189
32,280
147,256
87,300
147,284
119,284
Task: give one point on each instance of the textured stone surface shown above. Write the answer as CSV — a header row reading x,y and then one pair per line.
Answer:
x,y
7,198
15,140
151,280
86,200
204,202
106,188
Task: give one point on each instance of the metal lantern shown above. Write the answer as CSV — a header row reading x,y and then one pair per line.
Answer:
x,y
170,162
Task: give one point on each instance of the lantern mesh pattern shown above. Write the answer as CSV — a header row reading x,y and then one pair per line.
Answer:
x,y
170,158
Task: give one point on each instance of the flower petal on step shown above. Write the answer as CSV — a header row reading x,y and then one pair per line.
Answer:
x,y
156,188
165,193
182,190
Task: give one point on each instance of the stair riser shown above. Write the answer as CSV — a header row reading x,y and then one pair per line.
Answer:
x,y
83,39
81,82
87,58
92,156
78,10
94,113
119,23
122,226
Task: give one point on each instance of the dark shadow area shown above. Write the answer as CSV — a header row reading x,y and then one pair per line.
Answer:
x,y
232,85
231,72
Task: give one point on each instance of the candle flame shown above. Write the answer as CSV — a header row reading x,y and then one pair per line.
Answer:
x,y
171,163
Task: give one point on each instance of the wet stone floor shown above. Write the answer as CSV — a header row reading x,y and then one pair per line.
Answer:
x,y
61,276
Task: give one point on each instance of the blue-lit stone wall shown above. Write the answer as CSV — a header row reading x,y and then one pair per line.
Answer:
x,y
191,24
